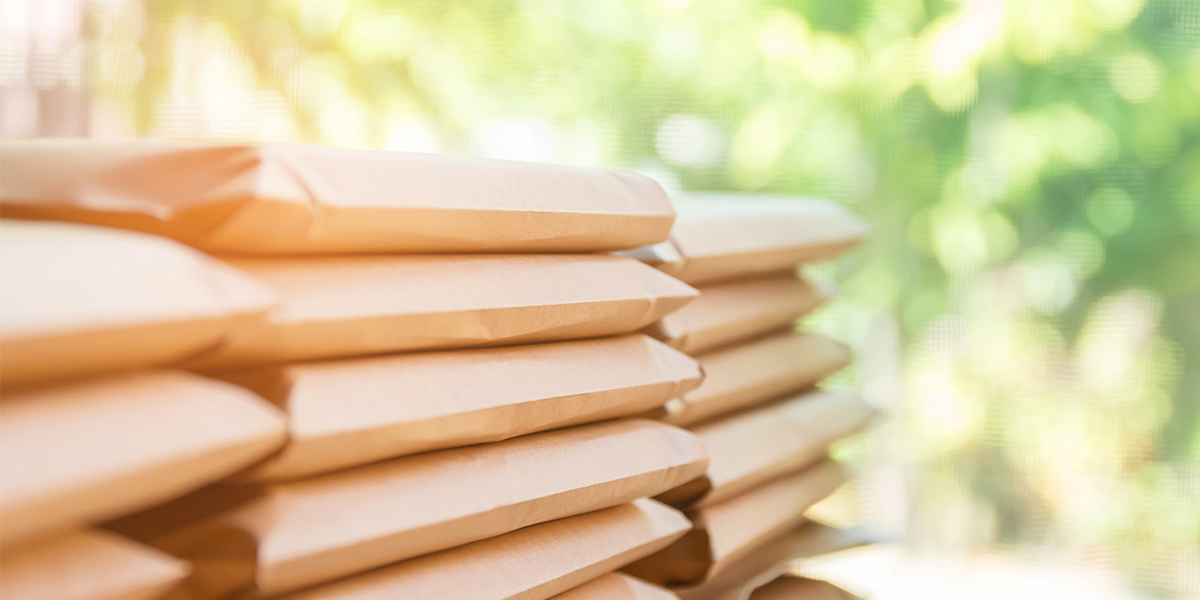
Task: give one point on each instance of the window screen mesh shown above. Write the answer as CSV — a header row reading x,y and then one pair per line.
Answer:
x,y
1028,310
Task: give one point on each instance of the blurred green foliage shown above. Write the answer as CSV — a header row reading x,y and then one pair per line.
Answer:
x,y
1031,168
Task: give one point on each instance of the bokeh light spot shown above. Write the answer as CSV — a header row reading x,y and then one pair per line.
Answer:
x,y
1134,76
1110,210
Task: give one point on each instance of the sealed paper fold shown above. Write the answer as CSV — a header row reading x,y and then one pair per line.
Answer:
x,y
719,237
727,313
727,531
771,560
533,563
347,306
617,586
310,531
81,300
738,377
662,256
791,587
91,451
278,199
87,565
356,411
750,448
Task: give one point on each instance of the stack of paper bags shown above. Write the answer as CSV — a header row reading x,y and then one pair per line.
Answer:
x,y
334,393
765,425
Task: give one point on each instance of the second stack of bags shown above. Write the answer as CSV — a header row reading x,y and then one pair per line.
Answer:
x,y
765,425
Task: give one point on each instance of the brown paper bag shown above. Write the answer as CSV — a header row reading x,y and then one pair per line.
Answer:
x,y
533,563
345,306
750,448
91,451
727,313
741,376
276,199
663,256
728,236
81,300
791,587
617,586
87,565
310,531
727,531
771,560
351,412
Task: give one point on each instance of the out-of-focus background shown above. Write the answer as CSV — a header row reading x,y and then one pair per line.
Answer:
x,y
1028,309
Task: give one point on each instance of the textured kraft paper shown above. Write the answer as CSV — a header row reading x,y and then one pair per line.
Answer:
x,y
351,412
750,448
791,587
280,199
345,306
719,237
727,531
770,561
310,531
617,586
732,312
662,256
81,300
533,563
738,377
87,565
91,451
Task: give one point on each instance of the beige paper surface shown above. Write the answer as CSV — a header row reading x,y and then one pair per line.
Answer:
x,y
791,587
732,312
351,412
617,586
727,236
82,300
308,199
663,256
750,448
737,377
771,560
314,530
533,563
87,565
346,306
91,451
727,531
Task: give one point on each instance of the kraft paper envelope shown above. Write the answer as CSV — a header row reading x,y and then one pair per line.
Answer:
x,y
617,586
663,256
87,565
727,531
91,451
741,376
533,563
310,531
345,306
770,561
280,199
82,300
727,236
351,412
791,587
750,448
732,312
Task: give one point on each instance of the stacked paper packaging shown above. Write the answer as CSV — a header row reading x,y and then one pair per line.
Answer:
x,y
297,372
766,426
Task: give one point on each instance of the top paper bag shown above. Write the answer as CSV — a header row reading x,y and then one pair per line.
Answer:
x,y
718,237
279,199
